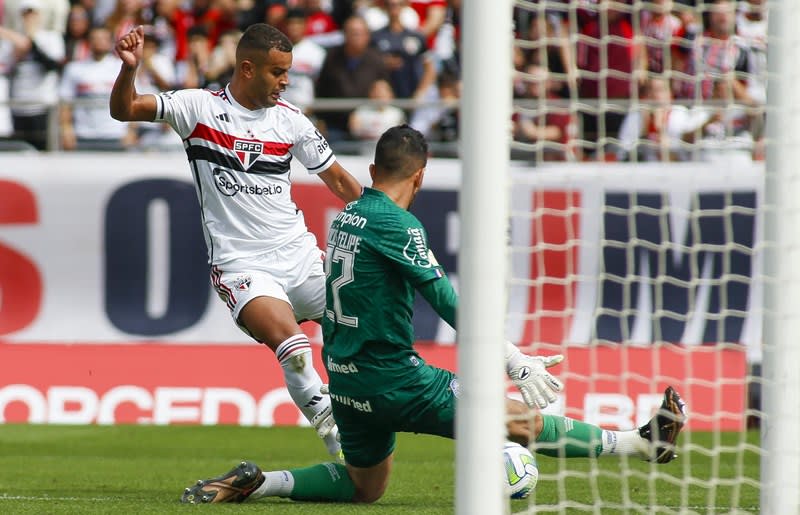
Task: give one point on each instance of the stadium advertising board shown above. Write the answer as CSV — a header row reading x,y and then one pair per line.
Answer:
x,y
107,249
242,384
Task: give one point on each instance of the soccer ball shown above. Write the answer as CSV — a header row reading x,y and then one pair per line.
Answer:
x,y
521,470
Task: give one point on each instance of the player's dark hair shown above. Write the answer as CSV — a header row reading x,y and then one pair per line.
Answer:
x,y
401,151
262,38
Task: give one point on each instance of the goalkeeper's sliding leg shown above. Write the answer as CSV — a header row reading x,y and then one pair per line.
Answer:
x,y
564,437
365,476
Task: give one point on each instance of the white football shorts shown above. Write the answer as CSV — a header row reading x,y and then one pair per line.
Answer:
x,y
293,273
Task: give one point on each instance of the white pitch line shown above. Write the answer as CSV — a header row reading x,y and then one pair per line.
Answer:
x,y
6,497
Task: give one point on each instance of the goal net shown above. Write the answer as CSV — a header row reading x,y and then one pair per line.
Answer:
x,y
638,205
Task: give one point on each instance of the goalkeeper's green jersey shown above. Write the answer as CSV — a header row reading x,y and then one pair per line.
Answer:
x,y
377,253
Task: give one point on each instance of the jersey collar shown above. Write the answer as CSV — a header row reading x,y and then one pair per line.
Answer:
x,y
255,113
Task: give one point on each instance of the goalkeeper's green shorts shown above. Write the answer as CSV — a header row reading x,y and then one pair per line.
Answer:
x,y
368,423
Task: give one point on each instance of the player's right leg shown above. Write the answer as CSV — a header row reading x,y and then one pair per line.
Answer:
x,y
271,321
261,308
655,441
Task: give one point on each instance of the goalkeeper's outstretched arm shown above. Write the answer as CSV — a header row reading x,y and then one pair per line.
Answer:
x,y
528,373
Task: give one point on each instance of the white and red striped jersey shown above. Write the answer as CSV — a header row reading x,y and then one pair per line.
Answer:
x,y
240,160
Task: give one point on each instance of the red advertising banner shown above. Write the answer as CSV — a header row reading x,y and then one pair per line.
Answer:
x,y
612,386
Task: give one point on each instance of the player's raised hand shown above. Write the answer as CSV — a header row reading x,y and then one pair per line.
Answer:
x,y
529,374
129,47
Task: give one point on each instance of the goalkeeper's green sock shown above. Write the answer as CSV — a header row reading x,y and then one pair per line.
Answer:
x,y
570,438
323,482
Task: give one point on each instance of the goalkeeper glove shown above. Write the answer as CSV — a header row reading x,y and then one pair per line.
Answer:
x,y
529,374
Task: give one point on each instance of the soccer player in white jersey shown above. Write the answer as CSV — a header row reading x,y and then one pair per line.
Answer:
x,y
265,264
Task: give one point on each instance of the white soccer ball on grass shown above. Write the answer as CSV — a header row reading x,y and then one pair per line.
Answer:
x,y
522,473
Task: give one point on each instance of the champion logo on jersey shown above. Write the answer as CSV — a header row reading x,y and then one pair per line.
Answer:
x,y
248,151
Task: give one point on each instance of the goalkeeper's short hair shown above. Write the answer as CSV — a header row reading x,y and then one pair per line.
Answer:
x,y
401,151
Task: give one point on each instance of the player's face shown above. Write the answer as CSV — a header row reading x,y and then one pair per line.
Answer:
x,y
272,77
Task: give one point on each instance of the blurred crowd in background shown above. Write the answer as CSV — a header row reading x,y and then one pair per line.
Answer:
x,y
658,80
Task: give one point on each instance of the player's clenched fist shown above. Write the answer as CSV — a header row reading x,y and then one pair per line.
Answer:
x,y
129,47
529,374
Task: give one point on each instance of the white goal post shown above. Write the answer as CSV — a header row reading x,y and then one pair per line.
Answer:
x,y
780,462
680,267
483,204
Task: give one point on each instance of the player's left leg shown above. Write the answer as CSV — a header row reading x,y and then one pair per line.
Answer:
x,y
369,447
370,454
246,481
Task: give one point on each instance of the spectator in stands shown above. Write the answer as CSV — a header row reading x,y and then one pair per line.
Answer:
x,y
405,55
432,15
307,59
157,72
6,63
38,54
724,133
551,129
720,55
87,125
377,17
192,73
369,121
100,9
126,15
520,62
217,16
349,72
320,25
445,47
76,40
170,23
272,12
222,61
437,118
663,32
751,26
550,48
659,130
53,14
612,46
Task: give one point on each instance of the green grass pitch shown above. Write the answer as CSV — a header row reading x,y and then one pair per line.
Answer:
x,y
143,470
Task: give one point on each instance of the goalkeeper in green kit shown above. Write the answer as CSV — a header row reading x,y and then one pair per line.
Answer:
x,y
377,257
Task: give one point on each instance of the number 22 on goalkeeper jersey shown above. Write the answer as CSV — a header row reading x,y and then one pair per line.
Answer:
x,y
377,253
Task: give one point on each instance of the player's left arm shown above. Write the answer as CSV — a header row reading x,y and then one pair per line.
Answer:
x,y
529,374
341,183
442,297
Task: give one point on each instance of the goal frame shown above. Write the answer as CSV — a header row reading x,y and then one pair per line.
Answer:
x,y
780,461
484,207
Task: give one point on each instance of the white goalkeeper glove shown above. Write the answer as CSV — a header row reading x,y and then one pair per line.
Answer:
x,y
529,374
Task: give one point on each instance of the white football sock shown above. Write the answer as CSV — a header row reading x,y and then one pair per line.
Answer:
x,y
303,382
279,483
625,443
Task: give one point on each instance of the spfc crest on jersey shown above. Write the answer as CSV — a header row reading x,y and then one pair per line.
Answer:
x,y
242,283
248,151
